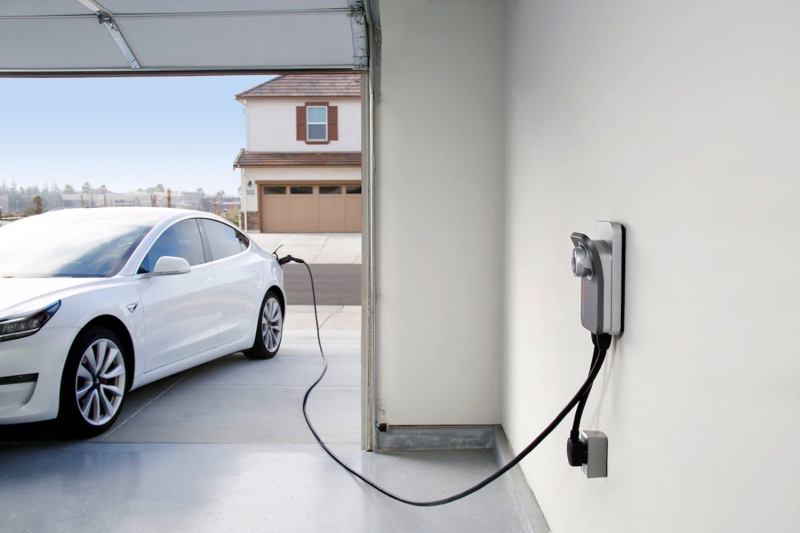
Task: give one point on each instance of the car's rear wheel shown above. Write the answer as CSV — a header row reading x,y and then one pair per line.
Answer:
x,y
270,328
94,383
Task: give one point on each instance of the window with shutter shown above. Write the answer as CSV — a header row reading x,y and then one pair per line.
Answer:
x,y
301,123
317,123
333,123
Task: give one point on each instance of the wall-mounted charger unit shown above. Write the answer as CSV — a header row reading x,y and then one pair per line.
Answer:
x,y
600,263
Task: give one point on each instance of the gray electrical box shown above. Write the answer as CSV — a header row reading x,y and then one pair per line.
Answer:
x,y
596,464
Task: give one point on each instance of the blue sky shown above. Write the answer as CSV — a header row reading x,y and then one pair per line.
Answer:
x,y
125,133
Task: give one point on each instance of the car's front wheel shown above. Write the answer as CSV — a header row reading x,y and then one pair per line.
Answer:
x,y
93,385
270,329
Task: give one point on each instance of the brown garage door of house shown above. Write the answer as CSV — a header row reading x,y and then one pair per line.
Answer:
x,y
310,208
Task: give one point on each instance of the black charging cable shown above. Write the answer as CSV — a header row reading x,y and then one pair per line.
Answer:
x,y
577,451
580,396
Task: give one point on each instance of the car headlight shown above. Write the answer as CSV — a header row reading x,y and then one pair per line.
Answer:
x,y
22,326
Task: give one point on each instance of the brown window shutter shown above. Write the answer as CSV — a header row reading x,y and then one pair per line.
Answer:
x,y
333,123
301,123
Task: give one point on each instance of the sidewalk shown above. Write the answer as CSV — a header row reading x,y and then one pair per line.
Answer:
x,y
330,248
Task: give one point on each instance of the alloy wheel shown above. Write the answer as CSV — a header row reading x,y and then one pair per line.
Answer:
x,y
100,382
272,324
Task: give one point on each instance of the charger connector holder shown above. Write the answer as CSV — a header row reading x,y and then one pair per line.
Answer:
x,y
600,263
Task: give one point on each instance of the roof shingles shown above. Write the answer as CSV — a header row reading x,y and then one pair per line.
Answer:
x,y
305,85
289,159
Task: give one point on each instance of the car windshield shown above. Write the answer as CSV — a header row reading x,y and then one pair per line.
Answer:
x,y
75,246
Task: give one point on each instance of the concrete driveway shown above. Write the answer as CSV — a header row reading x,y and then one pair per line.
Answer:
x,y
337,248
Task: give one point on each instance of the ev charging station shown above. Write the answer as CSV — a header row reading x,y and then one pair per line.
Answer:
x,y
600,264
108,38
492,132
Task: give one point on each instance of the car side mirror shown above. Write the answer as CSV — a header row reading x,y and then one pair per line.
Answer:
x,y
170,266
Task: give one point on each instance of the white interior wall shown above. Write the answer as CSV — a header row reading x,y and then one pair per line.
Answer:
x,y
679,119
438,208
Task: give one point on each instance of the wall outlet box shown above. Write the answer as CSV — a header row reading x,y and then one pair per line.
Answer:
x,y
596,464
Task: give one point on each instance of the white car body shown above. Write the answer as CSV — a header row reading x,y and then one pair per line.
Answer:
x,y
174,322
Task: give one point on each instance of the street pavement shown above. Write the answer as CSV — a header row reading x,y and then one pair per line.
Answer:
x,y
335,284
335,260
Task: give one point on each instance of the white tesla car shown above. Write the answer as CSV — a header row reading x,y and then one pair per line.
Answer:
x,y
97,302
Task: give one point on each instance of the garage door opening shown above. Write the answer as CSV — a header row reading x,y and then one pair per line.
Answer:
x,y
186,132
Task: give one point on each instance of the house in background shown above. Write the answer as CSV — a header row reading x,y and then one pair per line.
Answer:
x,y
301,166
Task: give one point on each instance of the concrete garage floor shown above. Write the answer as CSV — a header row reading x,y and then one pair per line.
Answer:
x,y
224,447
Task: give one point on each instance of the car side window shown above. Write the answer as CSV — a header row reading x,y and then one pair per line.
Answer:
x,y
223,240
179,240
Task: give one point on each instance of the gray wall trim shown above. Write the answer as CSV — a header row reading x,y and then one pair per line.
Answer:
x,y
522,496
489,437
405,438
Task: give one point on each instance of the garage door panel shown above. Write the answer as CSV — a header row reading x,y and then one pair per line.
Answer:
x,y
241,41
304,213
176,35
183,6
276,216
332,213
10,8
58,43
352,213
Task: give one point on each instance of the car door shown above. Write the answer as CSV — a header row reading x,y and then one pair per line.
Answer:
x,y
237,294
179,316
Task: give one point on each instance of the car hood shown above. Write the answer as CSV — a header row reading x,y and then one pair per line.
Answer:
x,y
20,295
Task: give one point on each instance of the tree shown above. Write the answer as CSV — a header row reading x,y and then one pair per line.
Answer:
x,y
234,216
87,188
217,204
38,208
69,189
